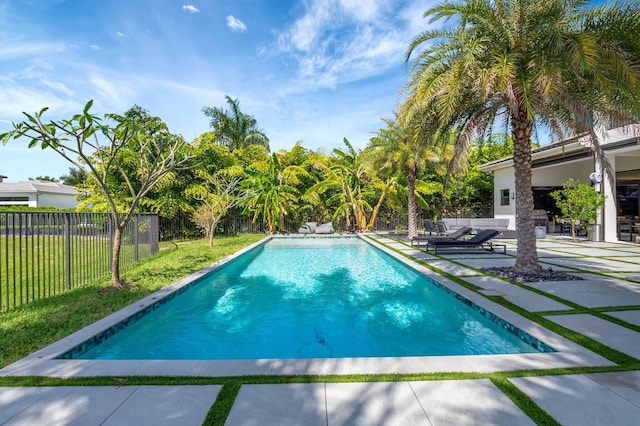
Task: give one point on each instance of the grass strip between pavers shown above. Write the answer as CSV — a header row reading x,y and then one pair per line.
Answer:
x,y
221,408
526,404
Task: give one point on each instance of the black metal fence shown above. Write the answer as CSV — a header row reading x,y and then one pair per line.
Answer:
x,y
47,253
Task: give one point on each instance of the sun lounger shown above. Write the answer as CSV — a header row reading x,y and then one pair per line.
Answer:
x,y
479,242
456,235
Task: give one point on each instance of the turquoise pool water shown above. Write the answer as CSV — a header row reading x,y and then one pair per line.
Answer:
x,y
310,298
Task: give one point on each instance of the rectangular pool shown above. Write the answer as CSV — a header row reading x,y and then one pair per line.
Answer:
x,y
309,298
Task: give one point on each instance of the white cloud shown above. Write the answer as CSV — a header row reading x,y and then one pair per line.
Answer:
x,y
119,34
29,49
340,41
95,47
235,24
190,8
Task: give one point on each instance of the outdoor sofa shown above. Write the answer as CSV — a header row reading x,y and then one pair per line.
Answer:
x,y
478,224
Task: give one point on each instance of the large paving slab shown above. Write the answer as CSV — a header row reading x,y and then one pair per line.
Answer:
x,y
533,302
593,291
588,251
467,402
580,400
632,317
449,402
451,268
495,262
612,335
373,403
106,405
595,264
290,404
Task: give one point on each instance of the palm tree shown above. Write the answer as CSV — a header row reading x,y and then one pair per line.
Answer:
x,y
272,191
233,128
345,180
525,62
398,150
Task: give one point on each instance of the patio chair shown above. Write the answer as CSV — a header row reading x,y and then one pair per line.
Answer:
x,y
479,241
454,236
442,227
430,227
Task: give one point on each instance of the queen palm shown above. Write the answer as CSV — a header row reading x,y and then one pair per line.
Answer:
x,y
397,149
525,62
233,128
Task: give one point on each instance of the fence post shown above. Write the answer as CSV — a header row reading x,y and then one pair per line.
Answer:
x,y
67,248
136,239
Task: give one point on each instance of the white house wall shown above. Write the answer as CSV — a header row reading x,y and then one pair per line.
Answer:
x,y
60,201
504,179
557,175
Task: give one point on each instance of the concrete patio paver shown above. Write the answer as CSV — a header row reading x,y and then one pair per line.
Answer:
x,y
632,317
595,264
526,299
579,400
106,405
468,402
593,291
613,335
290,404
446,402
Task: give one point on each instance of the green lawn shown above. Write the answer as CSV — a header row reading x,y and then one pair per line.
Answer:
x,y
28,328
34,267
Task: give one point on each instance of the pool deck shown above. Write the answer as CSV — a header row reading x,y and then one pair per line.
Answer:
x,y
611,285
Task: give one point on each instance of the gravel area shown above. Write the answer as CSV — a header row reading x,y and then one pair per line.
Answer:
x,y
544,275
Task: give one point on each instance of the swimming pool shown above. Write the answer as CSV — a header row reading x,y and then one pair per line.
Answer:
x,y
309,298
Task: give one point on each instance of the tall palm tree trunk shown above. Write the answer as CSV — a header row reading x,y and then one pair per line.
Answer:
x,y
527,259
411,203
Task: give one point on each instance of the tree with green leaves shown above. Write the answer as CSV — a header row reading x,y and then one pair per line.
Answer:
x,y
124,160
345,179
525,62
579,202
407,153
218,194
272,190
233,128
74,177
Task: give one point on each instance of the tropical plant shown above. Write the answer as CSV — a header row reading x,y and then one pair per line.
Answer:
x,y
233,128
525,62
399,150
345,180
273,192
579,202
105,154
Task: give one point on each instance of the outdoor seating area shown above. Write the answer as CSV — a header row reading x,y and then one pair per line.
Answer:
x,y
315,228
477,224
480,241
629,229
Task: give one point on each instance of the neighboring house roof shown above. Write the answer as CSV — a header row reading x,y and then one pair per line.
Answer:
x,y
37,187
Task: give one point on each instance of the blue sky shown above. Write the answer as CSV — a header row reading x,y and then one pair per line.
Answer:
x,y
310,70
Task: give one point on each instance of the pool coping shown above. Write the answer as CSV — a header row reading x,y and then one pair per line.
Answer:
x,y
44,362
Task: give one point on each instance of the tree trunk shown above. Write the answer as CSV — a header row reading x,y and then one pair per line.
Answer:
x,y
376,211
527,255
115,257
411,202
